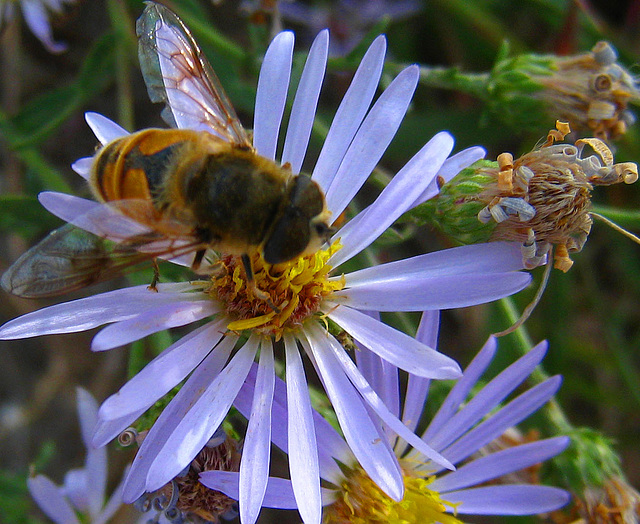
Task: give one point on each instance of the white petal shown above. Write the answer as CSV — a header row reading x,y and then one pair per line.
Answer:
x,y
485,400
38,21
373,399
494,257
392,345
200,419
100,219
305,103
50,500
279,493
428,291
254,466
500,463
163,317
513,413
350,114
458,394
418,387
87,413
164,372
82,166
508,500
303,447
273,84
87,313
451,167
106,130
331,446
107,430
372,139
362,435
394,200
172,416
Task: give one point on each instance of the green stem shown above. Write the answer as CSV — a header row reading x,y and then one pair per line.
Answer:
x,y
628,217
50,177
206,32
451,78
552,411
125,41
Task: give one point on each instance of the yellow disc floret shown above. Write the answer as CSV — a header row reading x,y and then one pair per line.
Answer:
x,y
295,290
361,501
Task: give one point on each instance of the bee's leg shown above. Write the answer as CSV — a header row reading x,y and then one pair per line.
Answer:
x,y
156,276
197,259
262,295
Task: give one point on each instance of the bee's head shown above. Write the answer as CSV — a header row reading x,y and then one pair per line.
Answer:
x,y
302,227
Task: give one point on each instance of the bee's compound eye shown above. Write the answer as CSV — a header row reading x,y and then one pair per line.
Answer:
x,y
289,239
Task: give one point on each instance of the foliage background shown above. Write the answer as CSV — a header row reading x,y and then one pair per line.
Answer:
x,y
589,315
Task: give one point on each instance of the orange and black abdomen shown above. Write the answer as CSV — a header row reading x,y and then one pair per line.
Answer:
x,y
135,166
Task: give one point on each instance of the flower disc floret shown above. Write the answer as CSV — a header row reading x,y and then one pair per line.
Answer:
x,y
361,501
295,291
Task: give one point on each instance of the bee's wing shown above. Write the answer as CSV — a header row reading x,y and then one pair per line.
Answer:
x,y
177,73
71,258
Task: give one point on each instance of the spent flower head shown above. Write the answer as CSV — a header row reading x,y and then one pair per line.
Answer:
x,y
541,200
36,14
185,499
212,362
465,423
590,90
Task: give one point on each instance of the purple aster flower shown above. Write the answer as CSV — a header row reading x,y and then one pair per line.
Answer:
x,y
215,359
348,20
81,498
37,18
463,425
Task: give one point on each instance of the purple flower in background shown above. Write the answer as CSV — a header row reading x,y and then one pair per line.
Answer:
x,y
81,498
348,20
215,359
35,13
463,425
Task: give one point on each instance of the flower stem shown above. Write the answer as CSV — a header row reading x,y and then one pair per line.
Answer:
x,y
552,412
125,42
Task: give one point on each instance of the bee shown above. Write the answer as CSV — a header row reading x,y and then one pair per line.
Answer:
x,y
183,191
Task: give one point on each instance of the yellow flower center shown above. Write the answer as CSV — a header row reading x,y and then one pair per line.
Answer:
x,y
361,501
295,290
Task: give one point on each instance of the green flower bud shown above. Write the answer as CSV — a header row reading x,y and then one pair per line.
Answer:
x,y
590,91
592,471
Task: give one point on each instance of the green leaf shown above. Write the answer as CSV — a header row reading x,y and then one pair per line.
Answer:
x,y
39,118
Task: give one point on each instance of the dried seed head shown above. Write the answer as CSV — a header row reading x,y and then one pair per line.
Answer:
x,y
541,200
590,90
185,499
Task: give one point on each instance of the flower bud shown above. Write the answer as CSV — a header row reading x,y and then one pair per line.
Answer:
x,y
590,91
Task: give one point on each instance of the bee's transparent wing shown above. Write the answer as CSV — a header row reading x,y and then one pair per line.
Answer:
x,y
72,257
177,73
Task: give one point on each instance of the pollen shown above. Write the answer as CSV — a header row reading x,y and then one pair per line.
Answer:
x,y
295,290
360,501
